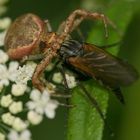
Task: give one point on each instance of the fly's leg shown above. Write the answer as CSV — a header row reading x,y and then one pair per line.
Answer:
x,y
66,105
39,70
93,101
65,84
60,95
64,78
110,45
96,105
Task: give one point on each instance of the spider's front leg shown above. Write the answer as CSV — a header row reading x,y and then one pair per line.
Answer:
x,y
77,17
39,70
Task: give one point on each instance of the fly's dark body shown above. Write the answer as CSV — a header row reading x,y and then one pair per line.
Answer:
x,y
94,62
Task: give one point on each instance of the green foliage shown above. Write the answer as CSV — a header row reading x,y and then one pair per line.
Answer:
x,y
84,121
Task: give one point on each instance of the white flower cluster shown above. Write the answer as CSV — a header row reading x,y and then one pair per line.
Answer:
x,y
8,75
41,104
38,105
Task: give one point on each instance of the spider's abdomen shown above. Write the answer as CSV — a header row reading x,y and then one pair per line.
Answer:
x,y
23,36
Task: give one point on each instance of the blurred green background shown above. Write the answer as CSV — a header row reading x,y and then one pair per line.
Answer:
x,y
124,120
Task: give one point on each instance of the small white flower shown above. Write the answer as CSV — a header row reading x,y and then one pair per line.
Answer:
x,y
6,100
50,67
35,95
70,81
51,88
24,135
50,108
57,77
25,73
42,104
4,75
2,136
34,118
7,118
19,125
16,107
7,74
4,23
18,89
3,56
12,70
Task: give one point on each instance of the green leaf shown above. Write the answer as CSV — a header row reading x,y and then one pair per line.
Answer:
x,y
84,122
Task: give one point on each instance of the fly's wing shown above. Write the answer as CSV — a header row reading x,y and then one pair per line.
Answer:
x,y
103,66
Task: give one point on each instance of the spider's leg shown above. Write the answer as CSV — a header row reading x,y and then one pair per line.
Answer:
x,y
39,70
70,24
32,58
